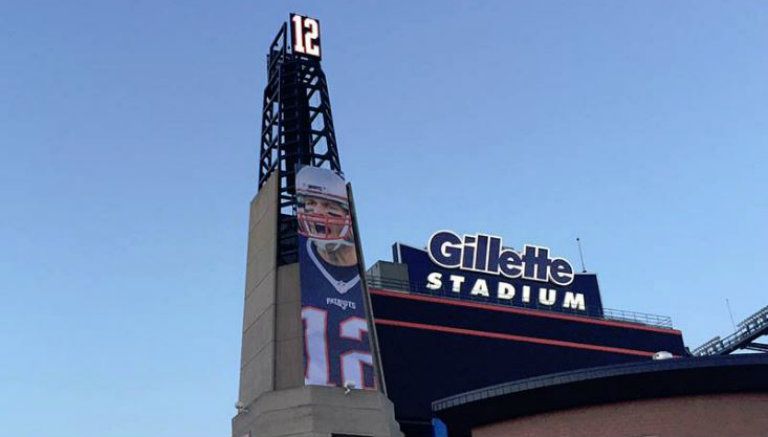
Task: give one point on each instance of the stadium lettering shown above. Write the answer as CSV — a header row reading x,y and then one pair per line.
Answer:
x,y
504,291
485,254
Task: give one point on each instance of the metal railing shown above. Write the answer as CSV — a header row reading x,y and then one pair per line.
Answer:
x,y
747,330
637,317
755,319
607,313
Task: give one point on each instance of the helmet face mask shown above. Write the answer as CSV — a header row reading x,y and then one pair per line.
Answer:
x,y
323,209
326,222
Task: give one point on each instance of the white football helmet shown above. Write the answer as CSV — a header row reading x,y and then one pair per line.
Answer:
x,y
323,208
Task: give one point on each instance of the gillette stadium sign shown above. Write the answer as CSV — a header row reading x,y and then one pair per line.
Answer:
x,y
479,267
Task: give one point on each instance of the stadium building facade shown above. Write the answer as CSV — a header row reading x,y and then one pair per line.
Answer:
x,y
440,341
465,336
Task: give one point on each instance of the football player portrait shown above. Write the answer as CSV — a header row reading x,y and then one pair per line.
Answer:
x,y
324,219
337,350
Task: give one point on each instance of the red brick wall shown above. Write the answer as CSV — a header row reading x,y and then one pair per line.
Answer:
x,y
735,415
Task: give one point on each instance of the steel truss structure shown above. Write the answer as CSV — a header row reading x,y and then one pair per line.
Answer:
x,y
747,331
297,129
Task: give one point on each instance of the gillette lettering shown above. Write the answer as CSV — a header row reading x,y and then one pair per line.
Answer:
x,y
485,254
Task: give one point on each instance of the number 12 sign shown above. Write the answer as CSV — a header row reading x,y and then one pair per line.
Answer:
x,y
305,35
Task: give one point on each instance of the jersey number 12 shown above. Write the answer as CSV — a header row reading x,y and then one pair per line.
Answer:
x,y
351,362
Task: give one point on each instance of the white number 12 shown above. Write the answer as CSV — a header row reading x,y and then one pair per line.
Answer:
x,y
306,42
351,362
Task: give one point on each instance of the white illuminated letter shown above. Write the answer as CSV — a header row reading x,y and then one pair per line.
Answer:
x,y
505,291
457,281
574,300
526,293
547,296
434,281
480,288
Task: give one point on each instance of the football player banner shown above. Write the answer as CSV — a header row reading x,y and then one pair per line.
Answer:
x,y
337,347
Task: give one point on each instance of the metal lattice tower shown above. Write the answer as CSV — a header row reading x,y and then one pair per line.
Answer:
x,y
297,129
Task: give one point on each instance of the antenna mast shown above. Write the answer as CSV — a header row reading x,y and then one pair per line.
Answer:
x,y
581,255
730,313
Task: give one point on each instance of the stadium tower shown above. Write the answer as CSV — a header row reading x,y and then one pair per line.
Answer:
x,y
276,397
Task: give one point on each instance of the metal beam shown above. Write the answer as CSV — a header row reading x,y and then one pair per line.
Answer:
x,y
759,347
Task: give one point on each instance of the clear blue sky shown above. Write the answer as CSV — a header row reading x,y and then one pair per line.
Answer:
x,y
129,134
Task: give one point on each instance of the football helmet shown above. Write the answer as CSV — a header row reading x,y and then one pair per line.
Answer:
x,y
323,208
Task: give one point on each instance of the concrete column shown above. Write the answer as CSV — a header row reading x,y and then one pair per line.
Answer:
x,y
273,398
257,356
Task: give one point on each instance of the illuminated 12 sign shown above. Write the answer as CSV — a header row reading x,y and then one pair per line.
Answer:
x,y
305,35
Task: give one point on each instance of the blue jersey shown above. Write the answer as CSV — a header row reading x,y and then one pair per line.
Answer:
x,y
337,349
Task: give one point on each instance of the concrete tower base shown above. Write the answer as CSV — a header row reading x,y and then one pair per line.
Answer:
x,y
314,411
273,400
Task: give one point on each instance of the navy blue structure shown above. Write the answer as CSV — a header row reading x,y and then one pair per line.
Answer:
x,y
423,361
435,344
420,266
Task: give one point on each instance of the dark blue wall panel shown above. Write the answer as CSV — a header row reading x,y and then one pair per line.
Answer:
x,y
422,365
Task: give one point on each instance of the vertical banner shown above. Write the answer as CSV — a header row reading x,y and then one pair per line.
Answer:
x,y
337,348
